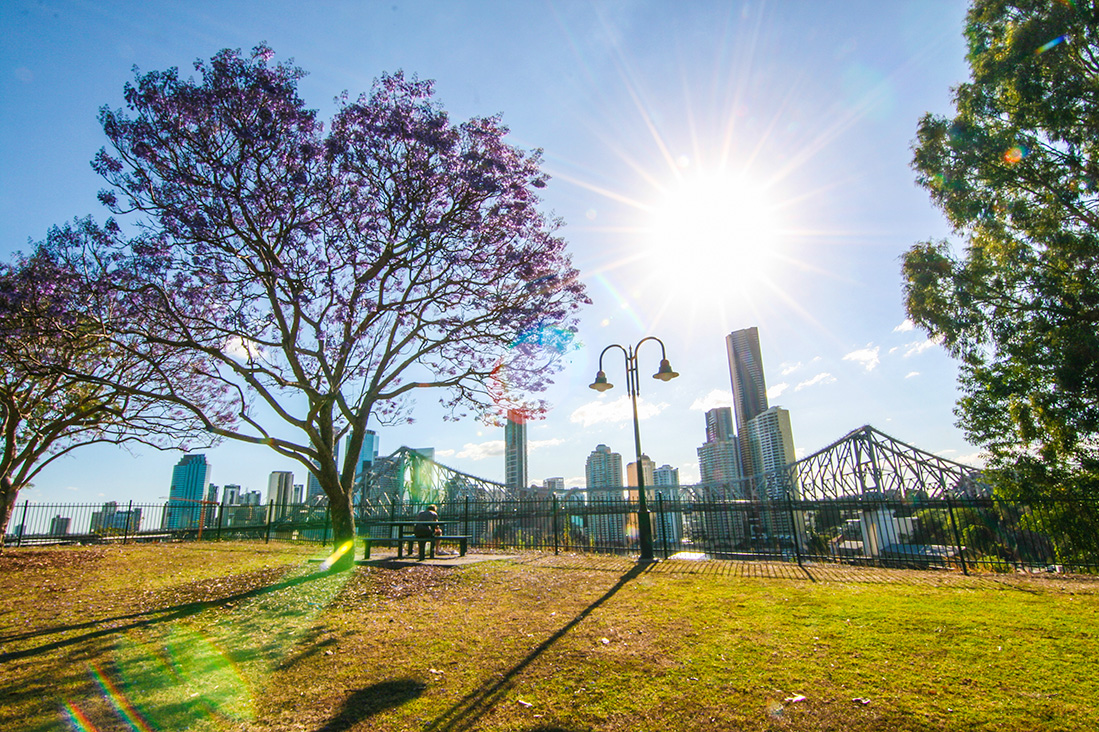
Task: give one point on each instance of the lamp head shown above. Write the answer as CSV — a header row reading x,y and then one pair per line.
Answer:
x,y
601,383
665,373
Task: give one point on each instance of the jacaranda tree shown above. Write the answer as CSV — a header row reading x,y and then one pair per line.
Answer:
x,y
326,273
48,339
1016,171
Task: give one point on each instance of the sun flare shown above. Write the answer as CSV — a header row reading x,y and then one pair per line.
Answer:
x,y
710,230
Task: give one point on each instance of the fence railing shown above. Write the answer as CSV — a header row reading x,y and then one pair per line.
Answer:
x,y
968,534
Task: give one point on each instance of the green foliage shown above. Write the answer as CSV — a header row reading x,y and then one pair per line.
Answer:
x,y
1016,172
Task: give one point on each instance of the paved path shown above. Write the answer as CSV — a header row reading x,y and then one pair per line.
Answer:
x,y
748,569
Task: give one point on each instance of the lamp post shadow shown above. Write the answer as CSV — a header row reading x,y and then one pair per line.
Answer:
x,y
466,712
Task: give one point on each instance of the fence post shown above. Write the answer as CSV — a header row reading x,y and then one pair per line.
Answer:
x,y
465,518
270,512
126,526
663,522
327,519
555,527
794,528
957,536
22,523
221,515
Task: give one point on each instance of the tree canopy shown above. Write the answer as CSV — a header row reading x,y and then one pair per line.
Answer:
x,y
63,387
321,275
1016,171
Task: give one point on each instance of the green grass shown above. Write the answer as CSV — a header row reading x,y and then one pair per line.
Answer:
x,y
254,637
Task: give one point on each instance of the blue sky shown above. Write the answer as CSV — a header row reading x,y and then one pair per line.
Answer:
x,y
719,165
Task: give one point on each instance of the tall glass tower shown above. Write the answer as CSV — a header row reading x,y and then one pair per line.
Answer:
x,y
190,479
749,389
515,451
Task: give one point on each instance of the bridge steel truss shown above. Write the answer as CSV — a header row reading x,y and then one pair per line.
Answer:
x,y
869,463
408,476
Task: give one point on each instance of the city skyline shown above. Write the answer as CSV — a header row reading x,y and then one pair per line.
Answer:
x,y
718,166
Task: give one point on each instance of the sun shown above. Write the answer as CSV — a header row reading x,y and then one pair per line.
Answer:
x,y
709,231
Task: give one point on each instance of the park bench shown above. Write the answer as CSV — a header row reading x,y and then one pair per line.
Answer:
x,y
462,541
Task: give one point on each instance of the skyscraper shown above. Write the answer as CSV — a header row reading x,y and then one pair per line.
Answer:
x,y
719,465
190,480
230,495
668,524
647,468
280,491
772,442
515,451
720,470
603,471
749,388
554,484
59,525
719,424
666,476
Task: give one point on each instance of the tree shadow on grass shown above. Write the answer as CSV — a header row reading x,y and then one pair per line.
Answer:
x,y
118,625
464,714
373,700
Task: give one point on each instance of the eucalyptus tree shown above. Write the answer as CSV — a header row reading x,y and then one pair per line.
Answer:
x,y
325,274
1016,171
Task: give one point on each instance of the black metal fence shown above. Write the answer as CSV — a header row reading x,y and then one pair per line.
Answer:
x,y
967,534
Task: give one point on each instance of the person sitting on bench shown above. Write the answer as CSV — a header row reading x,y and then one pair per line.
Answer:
x,y
426,527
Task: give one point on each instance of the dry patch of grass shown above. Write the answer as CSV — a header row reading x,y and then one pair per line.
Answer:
x,y
240,637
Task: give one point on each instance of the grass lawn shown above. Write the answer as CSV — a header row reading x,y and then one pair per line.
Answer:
x,y
257,637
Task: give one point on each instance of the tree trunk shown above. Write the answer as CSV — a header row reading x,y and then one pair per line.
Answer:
x,y
343,525
8,493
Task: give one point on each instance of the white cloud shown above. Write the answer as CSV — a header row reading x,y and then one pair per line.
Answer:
x,y
776,391
788,368
865,357
72,488
538,444
483,450
577,481
905,326
617,411
819,380
912,374
973,459
713,400
917,347
688,473
444,453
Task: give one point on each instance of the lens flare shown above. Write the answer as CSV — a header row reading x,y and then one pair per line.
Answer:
x,y
118,700
78,721
343,549
1015,154
1046,46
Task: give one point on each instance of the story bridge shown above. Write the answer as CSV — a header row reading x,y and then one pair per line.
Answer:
x,y
865,462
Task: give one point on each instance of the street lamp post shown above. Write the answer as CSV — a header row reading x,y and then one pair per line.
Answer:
x,y
664,373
